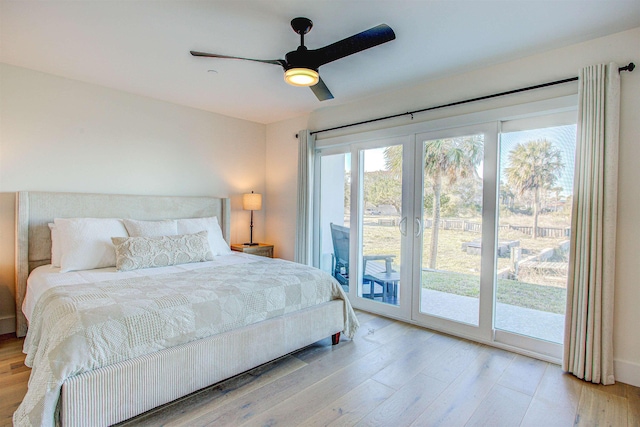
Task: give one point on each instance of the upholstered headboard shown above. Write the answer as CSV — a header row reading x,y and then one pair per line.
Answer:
x,y
34,210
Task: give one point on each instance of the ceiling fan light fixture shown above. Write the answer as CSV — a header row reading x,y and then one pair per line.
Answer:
x,y
301,66
301,76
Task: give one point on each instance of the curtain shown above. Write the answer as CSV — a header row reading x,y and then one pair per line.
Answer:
x,y
306,156
588,345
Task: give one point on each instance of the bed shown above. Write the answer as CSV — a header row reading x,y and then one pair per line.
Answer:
x,y
107,393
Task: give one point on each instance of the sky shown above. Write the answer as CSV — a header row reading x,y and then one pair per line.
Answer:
x,y
562,138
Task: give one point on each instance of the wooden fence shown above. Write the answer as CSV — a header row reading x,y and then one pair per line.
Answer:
x,y
476,227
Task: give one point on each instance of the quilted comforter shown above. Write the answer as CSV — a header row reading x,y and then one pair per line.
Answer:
x,y
79,328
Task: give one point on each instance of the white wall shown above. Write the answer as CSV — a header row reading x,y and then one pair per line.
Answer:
x,y
282,185
553,65
62,135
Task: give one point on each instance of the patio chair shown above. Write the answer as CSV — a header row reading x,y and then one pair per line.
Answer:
x,y
370,264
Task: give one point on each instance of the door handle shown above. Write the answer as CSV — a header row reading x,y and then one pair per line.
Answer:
x,y
418,227
400,224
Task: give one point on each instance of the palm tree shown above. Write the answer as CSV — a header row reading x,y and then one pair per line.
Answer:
x,y
448,159
444,159
534,166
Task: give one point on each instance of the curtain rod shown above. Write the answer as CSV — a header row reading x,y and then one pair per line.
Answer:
x,y
629,68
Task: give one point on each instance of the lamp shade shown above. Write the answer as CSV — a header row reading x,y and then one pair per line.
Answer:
x,y
252,201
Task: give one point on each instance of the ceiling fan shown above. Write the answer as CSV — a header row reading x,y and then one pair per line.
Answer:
x,y
301,65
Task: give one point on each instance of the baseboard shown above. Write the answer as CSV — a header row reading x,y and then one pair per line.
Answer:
x,y
7,325
627,372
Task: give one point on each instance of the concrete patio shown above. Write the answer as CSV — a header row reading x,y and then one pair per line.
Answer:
x,y
525,321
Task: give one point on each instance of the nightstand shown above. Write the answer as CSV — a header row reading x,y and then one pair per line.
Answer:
x,y
261,249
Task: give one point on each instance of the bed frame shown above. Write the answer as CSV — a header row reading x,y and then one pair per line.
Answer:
x,y
121,391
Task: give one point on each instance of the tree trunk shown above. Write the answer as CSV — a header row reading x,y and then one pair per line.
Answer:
x,y
536,211
435,227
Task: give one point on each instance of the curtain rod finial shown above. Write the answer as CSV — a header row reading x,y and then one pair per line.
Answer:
x,y
629,67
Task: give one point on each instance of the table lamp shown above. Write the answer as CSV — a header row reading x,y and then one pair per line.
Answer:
x,y
251,202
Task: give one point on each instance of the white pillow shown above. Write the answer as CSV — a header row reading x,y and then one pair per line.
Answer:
x,y
85,243
194,225
135,228
55,245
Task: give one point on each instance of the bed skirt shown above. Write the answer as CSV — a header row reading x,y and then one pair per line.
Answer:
x,y
121,391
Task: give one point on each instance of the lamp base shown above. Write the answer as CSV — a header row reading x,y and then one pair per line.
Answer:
x,y
251,244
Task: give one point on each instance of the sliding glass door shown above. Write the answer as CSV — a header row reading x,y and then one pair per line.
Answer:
x,y
462,229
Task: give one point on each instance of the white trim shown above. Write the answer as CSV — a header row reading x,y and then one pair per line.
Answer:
x,y
539,122
627,372
521,111
472,337
532,344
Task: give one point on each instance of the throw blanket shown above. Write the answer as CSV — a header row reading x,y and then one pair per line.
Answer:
x,y
79,328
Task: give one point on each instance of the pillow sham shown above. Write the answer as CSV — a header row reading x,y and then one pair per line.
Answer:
x,y
133,253
210,224
55,245
85,243
136,228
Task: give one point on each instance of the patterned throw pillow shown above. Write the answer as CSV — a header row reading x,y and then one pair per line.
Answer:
x,y
145,252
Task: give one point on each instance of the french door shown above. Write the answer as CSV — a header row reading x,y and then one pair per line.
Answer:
x,y
453,248
436,228
378,235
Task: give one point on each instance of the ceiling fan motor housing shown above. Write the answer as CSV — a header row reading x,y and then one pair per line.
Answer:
x,y
300,58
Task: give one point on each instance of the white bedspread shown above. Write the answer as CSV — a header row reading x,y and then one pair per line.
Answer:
x,y
80,327
46,277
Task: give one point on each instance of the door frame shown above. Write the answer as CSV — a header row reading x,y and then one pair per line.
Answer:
x,y
485,332
484,329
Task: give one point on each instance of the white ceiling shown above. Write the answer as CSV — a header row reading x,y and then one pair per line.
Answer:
x,y
143,47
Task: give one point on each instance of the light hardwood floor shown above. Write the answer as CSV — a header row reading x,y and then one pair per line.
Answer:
x,y
391,374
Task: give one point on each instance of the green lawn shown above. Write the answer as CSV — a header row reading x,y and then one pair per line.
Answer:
x,y
458,272
378,240
522,294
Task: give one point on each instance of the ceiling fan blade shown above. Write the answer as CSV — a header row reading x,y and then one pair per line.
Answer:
x,y
215,55
354,44
321,91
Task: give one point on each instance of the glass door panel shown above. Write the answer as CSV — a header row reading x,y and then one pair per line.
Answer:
x,y
452,227
380,219
334,216
536,184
